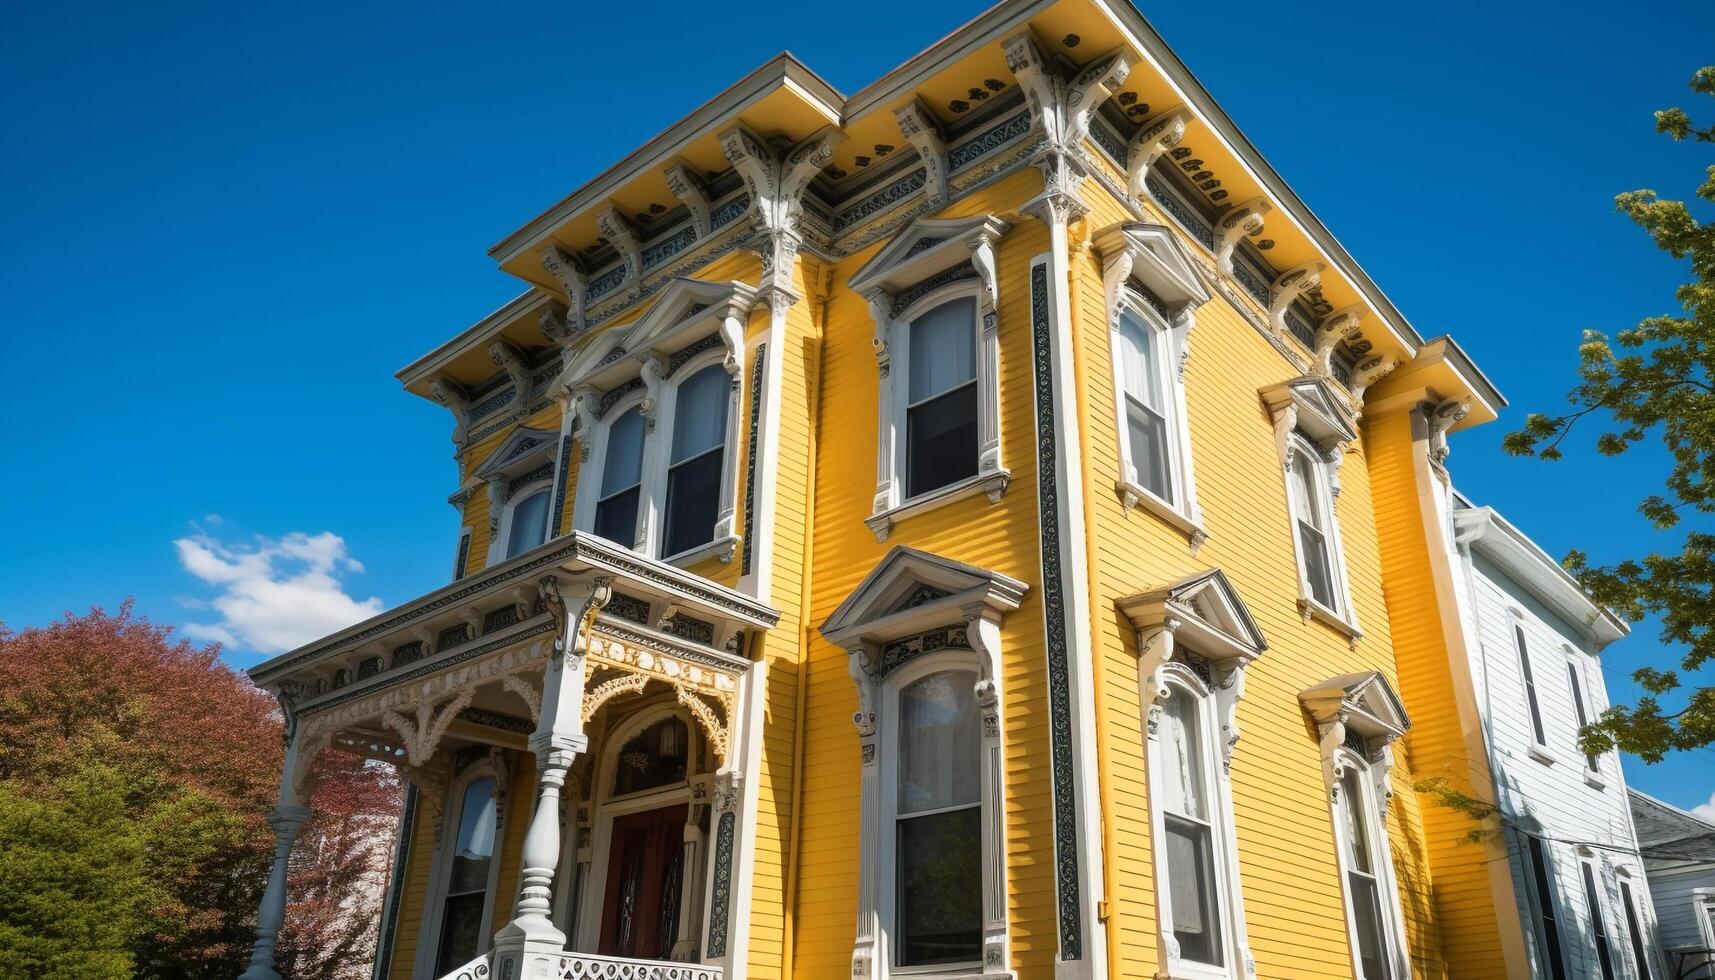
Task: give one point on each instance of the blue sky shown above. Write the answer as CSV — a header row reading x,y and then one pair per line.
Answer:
x,y
224,226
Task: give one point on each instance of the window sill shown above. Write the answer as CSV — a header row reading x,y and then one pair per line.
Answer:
x,y
1135,495
972,972
721,548
1594,780
993,484
1542,755
1311,609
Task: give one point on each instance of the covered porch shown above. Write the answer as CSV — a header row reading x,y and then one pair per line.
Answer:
x,y
622,683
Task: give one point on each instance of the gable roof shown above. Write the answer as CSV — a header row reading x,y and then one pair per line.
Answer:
x,y
1667,833
1365,701
1208,611
908,586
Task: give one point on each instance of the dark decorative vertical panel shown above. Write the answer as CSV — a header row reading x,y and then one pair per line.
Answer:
x,y
722,898
463,557
1054,610
563,468
396,885
750,457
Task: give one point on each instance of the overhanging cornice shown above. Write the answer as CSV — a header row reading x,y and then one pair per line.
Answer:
x,y
1525,562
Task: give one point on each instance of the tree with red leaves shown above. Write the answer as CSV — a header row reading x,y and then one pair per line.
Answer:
x,y
136,774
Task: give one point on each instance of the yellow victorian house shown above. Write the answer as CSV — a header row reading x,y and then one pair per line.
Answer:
x,y
982,526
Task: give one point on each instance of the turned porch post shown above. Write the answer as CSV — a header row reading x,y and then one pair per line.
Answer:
x,y
530,945
287,819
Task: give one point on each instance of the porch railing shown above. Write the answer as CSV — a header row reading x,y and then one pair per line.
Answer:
x,y
589,966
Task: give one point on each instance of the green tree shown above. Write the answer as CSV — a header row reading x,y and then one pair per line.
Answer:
x,y
1656,381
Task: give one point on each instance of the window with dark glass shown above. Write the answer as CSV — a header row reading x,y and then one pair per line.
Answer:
x,y
529,523
1529,687
1362,885
1634,928
1188,818
1591,762
466,894
1547,922
938,828
656,756
621,480
694,470
941,398
1598,922
1312,519
1145,406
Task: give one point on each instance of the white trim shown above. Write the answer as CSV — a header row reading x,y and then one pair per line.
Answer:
x,y
440,868
1534,898
1371,809
1344,618
1169,347
1599,915
499,547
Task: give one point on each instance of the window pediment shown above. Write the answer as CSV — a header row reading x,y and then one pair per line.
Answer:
x,y
911,591
1310,405
517,454
1150,254
1364,703
688,311
928,247
1204,611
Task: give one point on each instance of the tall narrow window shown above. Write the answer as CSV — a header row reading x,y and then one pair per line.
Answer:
x,y
1529,687
529,522
938,823
1634,927
1547,921
1310,514
1591,762
1363,888
1146,407
1598,920
694,471
941,398
466,894
1188,815
621,480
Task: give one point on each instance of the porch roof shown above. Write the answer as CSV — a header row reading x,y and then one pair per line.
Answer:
x,y
573,555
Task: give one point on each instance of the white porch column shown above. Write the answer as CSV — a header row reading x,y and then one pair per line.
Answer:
x,y
287,819
690,878
530,946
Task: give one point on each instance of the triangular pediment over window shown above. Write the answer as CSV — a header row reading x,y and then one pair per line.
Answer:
x,y
926,247
1156,260
519,448
911,590
1204,611
1364,702
687,313
1320,412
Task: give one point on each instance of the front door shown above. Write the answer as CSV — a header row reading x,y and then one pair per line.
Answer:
x,y
640,913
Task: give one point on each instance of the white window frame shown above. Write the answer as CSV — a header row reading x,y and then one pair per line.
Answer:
x,y
516,497
524,450
1531,685
1534,899
441,867
688,311
915,257
1310,419
1598,916
1627,886
1583,704
1142,256
908,595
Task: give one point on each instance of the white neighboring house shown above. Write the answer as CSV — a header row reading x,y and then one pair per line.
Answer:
x,y
1582,895
1679,855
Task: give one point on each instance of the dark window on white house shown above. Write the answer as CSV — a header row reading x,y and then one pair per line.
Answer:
x,y
1529,687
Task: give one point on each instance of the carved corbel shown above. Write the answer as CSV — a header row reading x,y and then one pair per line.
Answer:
x,y
569,272
1441,418
881,314
1342,324
451,395
584,400
654,375
858,658
1228,693
601,591
688,188
552,322
733,320
1333,770
509,359
1153,139
1336,457
983,260
776,188
421,734
917,127
1114,276
496,503
1243,219
471,617
618,231
1154,653
982,632
1094,84
1291,284
1285,423
1369,371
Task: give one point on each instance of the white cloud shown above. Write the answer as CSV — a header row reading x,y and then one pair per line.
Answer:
x,y
274,594
1705,810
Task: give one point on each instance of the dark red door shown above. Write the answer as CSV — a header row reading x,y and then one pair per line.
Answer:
x,y
640,914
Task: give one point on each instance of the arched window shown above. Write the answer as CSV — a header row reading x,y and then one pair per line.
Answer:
x,y
697,460
1372,904
941,397
656,756
464,903
621,480
527,520
936,822
1190,827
